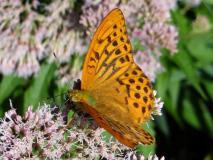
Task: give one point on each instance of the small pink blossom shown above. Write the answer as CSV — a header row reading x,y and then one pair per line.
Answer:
x,y
132,155
158,105
148,63
154,36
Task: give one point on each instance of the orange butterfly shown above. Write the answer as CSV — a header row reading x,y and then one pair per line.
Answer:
x,y
114,90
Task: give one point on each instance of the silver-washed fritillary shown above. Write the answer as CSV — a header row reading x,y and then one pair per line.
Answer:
x,y
114,90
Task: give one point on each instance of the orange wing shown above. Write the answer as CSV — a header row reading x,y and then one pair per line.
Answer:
x,y
109,44
102,122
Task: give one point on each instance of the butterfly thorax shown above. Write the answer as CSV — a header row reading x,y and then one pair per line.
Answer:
x,y
82,96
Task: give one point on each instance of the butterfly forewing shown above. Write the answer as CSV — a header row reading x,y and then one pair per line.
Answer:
x,y
109,47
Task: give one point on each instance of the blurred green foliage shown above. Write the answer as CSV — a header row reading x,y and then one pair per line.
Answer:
x,y
185,131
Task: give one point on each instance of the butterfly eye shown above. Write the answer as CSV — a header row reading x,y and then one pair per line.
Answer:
x,y
74,96
75,99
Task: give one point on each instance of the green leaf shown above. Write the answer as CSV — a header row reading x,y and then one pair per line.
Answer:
x,y
200,46
162,84
184,61
189,114
70,115
172,110
163,79
208,68
209,87
149,127
59,94
77,62
136,43
175,80
8,85
106,136
38,91
147,149
209,2
207,118
162,124
181,22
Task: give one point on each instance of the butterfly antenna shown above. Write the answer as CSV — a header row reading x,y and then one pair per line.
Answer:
x,y
66,100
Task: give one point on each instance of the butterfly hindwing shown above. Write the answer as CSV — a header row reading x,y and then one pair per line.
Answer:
x,y
137,93
126,133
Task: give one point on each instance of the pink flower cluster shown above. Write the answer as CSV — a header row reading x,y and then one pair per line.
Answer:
x,y
27,37
26,41
147,21
37,134
44,134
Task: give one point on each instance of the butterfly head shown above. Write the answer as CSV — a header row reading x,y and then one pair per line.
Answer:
x,y
81,96
75,95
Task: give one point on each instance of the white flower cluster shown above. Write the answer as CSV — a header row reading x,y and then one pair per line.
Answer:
x,y
43,133
27,36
